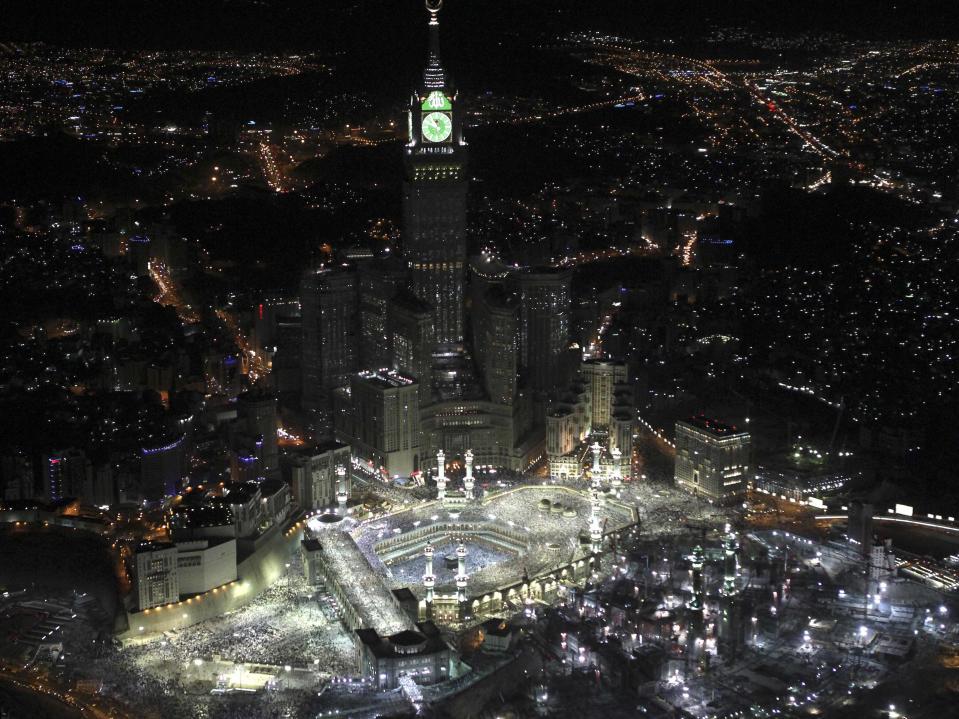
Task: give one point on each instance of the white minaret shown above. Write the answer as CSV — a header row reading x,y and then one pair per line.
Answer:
x,y
595,527
596,452
617,480
341,495
594,480
461,578
440,475
468,479
429,580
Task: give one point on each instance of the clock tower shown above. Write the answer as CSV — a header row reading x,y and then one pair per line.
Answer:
x,y
434,195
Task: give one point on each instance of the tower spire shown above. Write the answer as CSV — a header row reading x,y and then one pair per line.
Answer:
x,y
434,77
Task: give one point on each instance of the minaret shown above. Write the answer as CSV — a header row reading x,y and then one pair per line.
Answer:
x,y
440,475
461,579
596,452
468,479
429,580
617,481
696,622
595,526
731,627
730,568
341,495
698,559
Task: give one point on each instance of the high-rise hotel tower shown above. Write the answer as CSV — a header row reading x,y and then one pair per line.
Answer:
x,y
434,194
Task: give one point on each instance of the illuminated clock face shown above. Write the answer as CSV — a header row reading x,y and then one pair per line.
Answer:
x,y
437,126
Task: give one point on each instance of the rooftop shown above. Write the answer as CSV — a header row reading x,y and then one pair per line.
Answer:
x,y
713,426
386,378
365,590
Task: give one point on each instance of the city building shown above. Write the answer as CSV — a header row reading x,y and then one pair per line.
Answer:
x,y
268,314
275,503
859,528
287,356
311,473
155,574
386,421
257,415
712,458
203,564
379,282
410,329
589,424
65,474
420,654
199,517
604,377
545,300
494,317
328,306
434,196
499,635
882,561
16,476
163,466
498,434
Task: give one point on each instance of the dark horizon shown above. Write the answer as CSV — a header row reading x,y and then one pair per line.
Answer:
x,y
336,25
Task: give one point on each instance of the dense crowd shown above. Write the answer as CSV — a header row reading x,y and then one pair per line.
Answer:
x,y
289,624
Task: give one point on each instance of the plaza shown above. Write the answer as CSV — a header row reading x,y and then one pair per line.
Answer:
x,y
507,535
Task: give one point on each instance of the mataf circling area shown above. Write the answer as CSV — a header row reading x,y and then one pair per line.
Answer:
x,y
531,529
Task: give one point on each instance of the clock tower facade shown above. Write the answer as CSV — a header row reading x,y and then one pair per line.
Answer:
x,y
434,195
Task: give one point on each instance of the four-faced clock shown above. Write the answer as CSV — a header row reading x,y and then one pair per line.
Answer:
x,y
437,126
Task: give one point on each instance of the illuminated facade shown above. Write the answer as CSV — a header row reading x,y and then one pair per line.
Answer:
x,y
494,318
712,458
604,377
311,473
155,574
386,421
595,410
410,324
434,196
64,474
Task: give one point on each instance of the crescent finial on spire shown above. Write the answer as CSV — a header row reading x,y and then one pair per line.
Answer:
x,y
433,76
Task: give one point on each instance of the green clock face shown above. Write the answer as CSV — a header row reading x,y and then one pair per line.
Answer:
x,y
437,126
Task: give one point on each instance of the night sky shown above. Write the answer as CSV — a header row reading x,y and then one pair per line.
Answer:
x,y
383,27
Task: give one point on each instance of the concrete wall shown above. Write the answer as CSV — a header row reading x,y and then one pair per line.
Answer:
x,y
201,568
254,574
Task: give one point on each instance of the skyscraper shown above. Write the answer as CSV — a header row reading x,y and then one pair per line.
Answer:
x,y
434,194
603,377
328,300
258,416
386,421
64,474
410,323
494,342
380,280
545,300
287,372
